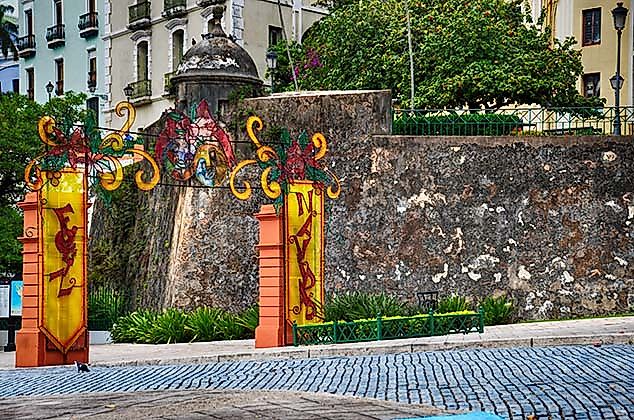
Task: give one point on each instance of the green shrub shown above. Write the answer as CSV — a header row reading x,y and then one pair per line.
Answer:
x,y
229,327
134,328
169,327
456,124
453,303
249,319
497,310
202,324
361,305
105,306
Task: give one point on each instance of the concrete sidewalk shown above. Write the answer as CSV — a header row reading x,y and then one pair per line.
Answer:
x,y
587,331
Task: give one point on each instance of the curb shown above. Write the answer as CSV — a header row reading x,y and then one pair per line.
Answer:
x,y
383,347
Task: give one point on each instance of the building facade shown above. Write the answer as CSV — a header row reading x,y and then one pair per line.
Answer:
x,y
61,47
590,22
145,41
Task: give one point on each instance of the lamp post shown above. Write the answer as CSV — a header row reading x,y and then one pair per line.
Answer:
x,y
127,91
49,89
271,63
619,14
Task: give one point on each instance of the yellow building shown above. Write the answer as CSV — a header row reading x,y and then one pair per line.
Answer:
x,y
591,23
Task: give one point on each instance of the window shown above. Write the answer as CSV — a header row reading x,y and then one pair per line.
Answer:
x,y
59,76
28,20
92,73
16,85
58,12
93,105
275,35
178,39
142,61
591,26
30,83
591,84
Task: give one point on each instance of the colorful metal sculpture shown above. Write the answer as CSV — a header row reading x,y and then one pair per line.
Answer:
x,y
292,176
195,145
101,159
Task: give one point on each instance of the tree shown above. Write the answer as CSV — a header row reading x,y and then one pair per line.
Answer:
x,y
19,143
477,53
8,32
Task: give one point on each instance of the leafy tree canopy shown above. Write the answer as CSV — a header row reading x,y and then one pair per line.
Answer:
x,y
8,32
474,53
19,143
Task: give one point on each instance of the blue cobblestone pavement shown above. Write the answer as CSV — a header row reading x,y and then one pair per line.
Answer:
x,y
577,382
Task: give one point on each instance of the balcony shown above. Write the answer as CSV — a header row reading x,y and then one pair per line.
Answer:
x,y
92,81
26,46
141,91
168,89
56,35
88,25
174,8
139,15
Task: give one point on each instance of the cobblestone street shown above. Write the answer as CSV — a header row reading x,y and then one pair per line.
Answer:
x,y
577,382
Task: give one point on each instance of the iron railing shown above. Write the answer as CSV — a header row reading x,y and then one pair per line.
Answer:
x,y
88,24
513,121
105,306
425,325
55,34
167,83
139,13
174,8
26,46
141,88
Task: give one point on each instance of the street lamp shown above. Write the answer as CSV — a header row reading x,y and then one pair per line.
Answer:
x,y
49,89
271,63
619,13
127,91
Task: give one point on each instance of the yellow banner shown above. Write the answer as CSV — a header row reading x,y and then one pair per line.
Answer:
x,y
304,233
62,290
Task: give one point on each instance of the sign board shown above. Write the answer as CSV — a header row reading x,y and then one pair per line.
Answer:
x,y
4,300
17,289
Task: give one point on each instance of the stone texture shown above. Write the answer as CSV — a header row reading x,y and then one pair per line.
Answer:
x,y
547,221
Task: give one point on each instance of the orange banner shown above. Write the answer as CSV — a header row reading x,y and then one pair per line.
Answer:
x,y
304,233
62,314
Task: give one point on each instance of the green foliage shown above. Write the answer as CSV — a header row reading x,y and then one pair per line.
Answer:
x,y
452,304
135,327
8,31
177,325
249,320
169,327
11,223
478,53
497,310
361,305
456,125
105,306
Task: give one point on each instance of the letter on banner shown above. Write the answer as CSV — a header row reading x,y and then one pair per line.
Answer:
x,y
63,302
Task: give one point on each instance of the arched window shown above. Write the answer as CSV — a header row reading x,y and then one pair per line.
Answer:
x,y
142,68
178,43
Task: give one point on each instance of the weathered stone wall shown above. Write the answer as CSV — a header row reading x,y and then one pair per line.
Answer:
x,y
547,221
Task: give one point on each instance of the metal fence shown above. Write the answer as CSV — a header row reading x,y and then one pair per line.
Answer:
x,y
513,121
425,325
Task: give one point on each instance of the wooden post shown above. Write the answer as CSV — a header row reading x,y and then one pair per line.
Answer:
x,y
32,346
273,330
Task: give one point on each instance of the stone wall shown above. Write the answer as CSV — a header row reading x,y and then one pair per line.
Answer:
x,y
547,221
